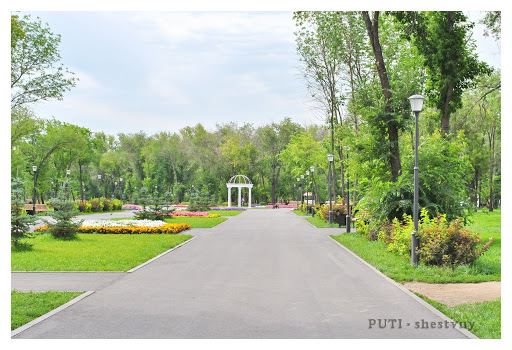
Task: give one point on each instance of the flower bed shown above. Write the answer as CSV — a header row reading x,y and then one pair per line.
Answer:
x,y
131,207
127,227
227,208
179,215
282,206
190,213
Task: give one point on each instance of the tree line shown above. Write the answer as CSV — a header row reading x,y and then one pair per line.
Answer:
x,y
359,67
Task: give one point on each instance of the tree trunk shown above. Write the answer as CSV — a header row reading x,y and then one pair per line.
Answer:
x,y
372,27
445,118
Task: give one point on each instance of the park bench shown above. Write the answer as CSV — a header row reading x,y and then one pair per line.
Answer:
x,y
39,208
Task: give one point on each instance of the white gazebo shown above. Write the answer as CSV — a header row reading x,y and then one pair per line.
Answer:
x,y
239,181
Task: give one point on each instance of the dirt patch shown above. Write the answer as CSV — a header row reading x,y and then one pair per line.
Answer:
x,y
452,294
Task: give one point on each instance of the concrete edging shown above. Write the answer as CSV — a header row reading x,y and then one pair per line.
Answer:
x,y
160,255
51,313
435,311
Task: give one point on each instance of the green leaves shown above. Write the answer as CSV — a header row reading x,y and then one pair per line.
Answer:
x,y
35,71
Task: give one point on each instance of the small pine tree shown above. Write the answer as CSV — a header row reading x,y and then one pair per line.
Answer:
x,y
145,201
20,222
63,226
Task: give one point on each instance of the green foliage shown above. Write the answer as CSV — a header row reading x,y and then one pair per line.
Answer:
x,y
440,242
63,226
35,71
443,243
20,222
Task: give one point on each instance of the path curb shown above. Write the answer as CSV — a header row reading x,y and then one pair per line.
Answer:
x,y
51,313
160,255
406,291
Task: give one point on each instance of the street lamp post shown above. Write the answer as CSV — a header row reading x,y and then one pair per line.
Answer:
x,y
302,190
416,105
298,191
312,193
99,185
121,189
34,169
348,198
67,184
307,189
330,158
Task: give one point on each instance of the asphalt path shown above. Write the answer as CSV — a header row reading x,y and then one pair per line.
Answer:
x,y
261,274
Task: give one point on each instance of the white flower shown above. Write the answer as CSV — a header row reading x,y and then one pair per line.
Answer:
x,y
124,223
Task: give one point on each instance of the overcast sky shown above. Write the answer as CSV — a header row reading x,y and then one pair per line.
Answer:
x,y
157,71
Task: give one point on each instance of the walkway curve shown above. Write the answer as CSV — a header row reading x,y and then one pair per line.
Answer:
x,y
262,274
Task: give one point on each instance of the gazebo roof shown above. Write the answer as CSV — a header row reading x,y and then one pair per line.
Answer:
x,y
240,179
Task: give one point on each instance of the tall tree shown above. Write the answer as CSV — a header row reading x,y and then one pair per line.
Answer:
x,y
443,39
372,26
35,71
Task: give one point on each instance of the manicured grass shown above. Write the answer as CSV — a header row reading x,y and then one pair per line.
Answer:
x,y
300,213
486,268
488,224
226,212
399,267
92,252
26,307
196,222
486,316
320,223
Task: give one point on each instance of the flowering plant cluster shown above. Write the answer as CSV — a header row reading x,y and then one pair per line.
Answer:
x,y
166,228
127,222
282,206
197,216
227,208
190,213
131,207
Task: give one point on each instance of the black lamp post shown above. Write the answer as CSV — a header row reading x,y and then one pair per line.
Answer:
x,y
67,184
330,158
312,191
99,185
307,189
302,190
348,198
416,105
298,191
34,169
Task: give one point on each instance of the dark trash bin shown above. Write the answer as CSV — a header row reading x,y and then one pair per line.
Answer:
x,y
342,220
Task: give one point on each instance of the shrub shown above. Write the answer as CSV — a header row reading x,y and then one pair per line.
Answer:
x,y
96,205
64,225
116,204
107,204
20,222
443,243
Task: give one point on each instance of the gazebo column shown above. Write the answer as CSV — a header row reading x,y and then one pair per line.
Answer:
x,y
229,196
250,197
239,196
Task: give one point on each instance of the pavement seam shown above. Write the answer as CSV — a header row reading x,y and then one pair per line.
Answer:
x,y
50,314
159,256
426,305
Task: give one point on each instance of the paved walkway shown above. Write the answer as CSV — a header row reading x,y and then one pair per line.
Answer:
x,y
261,274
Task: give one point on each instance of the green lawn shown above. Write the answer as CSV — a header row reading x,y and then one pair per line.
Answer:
x,y
226,212
486,268
92,252
486,316
26,307
320,223
196,222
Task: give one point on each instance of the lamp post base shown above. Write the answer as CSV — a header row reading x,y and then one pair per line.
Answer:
x,y
348,223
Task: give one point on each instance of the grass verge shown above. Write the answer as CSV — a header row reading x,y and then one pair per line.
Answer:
x,y
92,252
486,316
226,212
26,307
320,223
196,222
